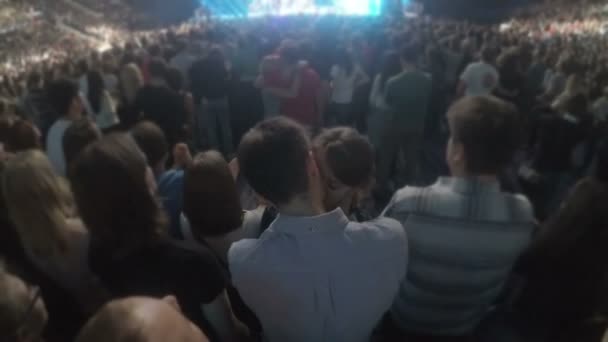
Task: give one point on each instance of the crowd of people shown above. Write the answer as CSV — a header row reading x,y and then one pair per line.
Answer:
x,y
310,179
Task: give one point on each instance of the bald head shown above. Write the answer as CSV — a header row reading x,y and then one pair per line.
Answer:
x,y
140,319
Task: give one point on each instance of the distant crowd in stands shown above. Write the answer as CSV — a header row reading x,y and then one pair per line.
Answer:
x,y
309,179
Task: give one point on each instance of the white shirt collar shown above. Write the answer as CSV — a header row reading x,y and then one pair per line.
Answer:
x,y
303,225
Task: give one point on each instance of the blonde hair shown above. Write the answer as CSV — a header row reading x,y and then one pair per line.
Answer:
x,y
38,203
131,80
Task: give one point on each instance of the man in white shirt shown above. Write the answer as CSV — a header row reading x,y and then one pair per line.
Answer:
x,y
480,78
65,98
312,276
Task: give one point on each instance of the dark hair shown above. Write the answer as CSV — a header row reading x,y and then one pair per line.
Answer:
x,y
22,135
82,66
290,52
96,89
410,53
114,200
344,60
273,159
601,153
348,154
489,130
152,141
155,50
77,137
488,54
175,79
568,250
33,80
61,94
211,200
391,66
157,68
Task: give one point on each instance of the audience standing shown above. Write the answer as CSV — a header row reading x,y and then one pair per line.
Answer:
x,y
293,277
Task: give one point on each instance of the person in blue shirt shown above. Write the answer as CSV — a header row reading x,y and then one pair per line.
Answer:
x,y
151,140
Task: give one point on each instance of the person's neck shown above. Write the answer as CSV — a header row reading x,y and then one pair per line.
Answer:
x,y
158,170
71,117
157,81
487,178
301,205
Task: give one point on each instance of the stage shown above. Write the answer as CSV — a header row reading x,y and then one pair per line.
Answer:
x,y
256,8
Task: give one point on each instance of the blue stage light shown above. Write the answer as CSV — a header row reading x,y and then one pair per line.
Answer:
x,y
256,8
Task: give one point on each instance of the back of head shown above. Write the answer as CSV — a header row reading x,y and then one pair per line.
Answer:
x,y
131,80
211,200
410,54
488,54
289,52
78,136
22,135
347,155
344,60
23,315
139,319
96,88
61,94
158,68
488,130
273,157
175,79
111,184
152,141
31,186
391,66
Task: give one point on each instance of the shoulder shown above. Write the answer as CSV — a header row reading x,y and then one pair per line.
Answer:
x,y
406,199
521,208
171,177
380,229
240,254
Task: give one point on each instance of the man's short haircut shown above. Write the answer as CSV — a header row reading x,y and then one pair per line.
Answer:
x,y
152,141
273,159
488,54
489,130
78,136
348,154
410,53
158,68
61,94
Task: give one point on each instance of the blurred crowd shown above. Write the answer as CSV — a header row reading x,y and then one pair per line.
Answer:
x,y
304,178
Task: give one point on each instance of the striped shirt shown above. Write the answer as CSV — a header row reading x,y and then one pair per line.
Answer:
x,y
464,237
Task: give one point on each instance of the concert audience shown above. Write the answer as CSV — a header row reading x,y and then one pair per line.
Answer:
x,y
141,319
23,315
115,192
408,96
463,227
440,262
65,98
305,270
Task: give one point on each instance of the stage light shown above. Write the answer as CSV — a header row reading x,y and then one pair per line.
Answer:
x,y
256,8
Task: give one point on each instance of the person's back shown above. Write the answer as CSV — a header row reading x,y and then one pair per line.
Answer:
x,y
162,106
65,98
464,233
408,94
304,107
311,276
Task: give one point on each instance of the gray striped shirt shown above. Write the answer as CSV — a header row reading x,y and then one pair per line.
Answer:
x,y
464,237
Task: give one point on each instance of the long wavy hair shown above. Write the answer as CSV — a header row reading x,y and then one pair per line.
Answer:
x,y
39,202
